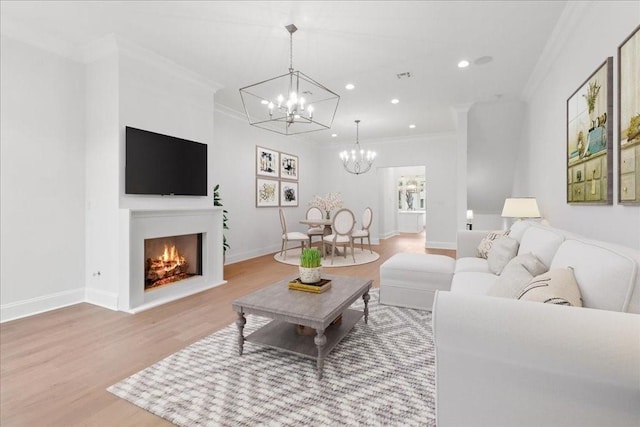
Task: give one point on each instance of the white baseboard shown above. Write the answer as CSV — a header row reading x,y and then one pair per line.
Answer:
x,y
440,245
101,298
24,308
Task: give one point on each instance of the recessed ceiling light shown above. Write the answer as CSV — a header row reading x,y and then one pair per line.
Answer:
x,y
395,100
412,126
333,135
463,64
349,86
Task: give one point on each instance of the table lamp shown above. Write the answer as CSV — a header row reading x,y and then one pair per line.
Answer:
x,y
522,207
469,219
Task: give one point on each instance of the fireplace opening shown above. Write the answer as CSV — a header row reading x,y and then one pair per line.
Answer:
x,y
171,259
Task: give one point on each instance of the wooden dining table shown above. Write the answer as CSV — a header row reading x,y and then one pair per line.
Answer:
x,y
327,230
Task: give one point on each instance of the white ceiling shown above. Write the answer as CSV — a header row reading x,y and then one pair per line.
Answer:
x,y
367,43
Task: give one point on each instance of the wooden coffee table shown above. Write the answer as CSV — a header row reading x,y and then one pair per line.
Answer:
x,y
289,308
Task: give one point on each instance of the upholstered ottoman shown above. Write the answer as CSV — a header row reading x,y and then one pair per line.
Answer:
x,y
411,280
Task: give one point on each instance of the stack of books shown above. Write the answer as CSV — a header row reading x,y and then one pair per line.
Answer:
x,y
318,288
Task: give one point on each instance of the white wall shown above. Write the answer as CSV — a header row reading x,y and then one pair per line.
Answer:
x,y
42,180
492,148
256,231
436,152
587,33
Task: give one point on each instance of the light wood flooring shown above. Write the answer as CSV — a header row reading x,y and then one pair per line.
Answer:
x,y
55,367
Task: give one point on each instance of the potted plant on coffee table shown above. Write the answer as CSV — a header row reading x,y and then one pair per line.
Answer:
x,y
310,265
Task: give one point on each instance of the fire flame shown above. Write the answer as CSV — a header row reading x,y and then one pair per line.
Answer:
x,y
171,258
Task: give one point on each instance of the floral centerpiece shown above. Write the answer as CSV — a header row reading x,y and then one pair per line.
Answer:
x,y
327,203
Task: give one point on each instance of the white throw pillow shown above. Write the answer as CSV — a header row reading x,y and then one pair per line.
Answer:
x,y
483,248
516,276
502,251
556,286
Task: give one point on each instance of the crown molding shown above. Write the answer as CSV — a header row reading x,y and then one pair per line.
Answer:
x,y
39,39
114,44
229,112
567,24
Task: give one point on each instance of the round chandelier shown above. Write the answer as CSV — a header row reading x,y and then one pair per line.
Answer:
x,y
357,161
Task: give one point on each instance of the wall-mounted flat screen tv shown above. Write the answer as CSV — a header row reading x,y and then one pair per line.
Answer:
x,y
165,165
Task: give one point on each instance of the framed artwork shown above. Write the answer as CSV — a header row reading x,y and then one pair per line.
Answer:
x,y
267,162
267,192
288,193
288,166
629,119
590,139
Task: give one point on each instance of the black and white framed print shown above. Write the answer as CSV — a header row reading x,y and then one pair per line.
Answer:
x,y
288,193
267,162
289,166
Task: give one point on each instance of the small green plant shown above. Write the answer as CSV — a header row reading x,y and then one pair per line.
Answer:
x,y
310,258
217,201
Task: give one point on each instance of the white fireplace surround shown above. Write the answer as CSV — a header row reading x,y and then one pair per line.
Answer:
x,y
138,225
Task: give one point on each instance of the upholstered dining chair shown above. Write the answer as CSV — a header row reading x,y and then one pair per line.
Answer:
x,y
314,230
342,226
367,218
290,236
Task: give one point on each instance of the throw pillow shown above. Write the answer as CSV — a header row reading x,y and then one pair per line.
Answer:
x,y
487,241
516,276
556,286
502,251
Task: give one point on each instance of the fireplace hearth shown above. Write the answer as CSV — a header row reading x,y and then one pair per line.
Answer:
x,y
171,259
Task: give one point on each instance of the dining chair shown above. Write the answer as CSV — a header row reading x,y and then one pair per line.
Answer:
x,y
314,229
367,218
290,236
342,226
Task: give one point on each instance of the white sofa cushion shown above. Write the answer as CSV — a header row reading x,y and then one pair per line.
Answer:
x,y
503,250
485,244
516,276
518,228
542,242
557,286
606,278
471,264
473,283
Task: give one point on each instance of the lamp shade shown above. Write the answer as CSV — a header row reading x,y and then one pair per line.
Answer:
x,y
525,207
469,214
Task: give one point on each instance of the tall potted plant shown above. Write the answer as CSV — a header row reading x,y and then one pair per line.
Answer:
x,y
217,201
310,265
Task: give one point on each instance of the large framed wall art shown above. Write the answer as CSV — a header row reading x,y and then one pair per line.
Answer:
x,y
590,139
276,178
629,119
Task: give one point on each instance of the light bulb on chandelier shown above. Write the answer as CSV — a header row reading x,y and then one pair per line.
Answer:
x,y
357,161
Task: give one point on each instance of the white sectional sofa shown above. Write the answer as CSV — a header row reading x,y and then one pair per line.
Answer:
x,y
506,362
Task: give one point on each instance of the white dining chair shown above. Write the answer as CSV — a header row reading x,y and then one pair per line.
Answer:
x,y
314,229
367,219
290,236
342,226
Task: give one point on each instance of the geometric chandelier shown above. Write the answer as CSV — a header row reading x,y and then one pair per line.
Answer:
x,y
357,161
291,103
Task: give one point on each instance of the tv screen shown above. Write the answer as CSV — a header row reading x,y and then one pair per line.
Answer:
x,y
162,164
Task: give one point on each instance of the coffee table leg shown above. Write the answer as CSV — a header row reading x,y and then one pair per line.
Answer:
x,y
240,321
366,297
320,340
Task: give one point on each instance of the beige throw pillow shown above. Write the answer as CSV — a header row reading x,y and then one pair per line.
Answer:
x,y
516,276
557,286
502,251
487,241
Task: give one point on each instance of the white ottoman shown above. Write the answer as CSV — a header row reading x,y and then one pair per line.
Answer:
x,y
411,280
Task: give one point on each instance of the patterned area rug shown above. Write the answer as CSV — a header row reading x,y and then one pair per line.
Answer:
x,y
361,256
382,373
